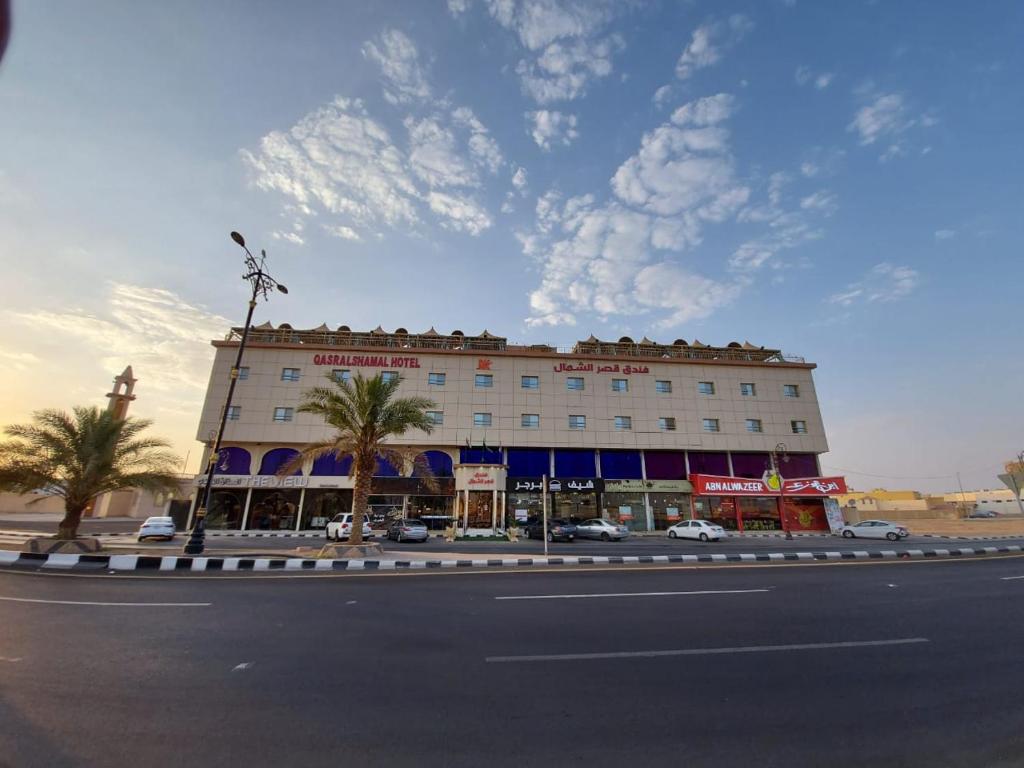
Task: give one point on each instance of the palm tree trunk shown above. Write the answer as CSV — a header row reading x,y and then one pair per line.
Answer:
x,y
68,527
361,495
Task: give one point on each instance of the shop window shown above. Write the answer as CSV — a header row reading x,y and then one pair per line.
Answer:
x,y
481,419
577,422
711,425
243,373
290,374
388,376
574,383
706,387
620,385
747,389
284,414
623,423
663,387
531,420
435,417
531,382
667,423
339,374
435,379
484,380
234,412
791,390
799,427
754,425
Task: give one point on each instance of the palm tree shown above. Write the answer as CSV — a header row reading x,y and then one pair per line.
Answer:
x,y
80,456
364,414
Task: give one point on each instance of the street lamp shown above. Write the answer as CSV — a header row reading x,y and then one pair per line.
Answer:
x,y
780,448
262,285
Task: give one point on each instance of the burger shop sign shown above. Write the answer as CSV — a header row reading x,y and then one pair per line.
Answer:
x,y
367,361
716,485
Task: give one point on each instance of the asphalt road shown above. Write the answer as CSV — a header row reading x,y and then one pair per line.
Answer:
x,y
259,671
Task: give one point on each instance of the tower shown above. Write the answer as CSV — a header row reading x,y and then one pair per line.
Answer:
x,y
119,400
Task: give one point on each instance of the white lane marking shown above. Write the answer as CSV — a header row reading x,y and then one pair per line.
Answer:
x,y
634,594
242,667
1011,578
13,660
708,651
86,602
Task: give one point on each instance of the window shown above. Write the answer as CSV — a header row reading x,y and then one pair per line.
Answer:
x,y
663,387
574,383
283,414
341,374
706,387
481,419
754,425
289,374
435,417
623,422
243,373
435,379
799,427
577,422
484,380
667,423
711,425
234,412
388,376
791,390
531,420
620,385
748,389
531,382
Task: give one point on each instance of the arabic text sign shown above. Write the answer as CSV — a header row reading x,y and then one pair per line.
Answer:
x,y
627,370
814,486
716,485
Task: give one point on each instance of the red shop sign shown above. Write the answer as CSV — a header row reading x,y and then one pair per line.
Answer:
x,y
719,485
814,486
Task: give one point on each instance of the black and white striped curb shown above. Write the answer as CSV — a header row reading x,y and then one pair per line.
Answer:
x,y
118,563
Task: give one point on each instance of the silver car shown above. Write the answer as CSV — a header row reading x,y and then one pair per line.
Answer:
x,y
598,528
874,529
157,528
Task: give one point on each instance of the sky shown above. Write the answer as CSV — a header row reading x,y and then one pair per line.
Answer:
x,y
841,180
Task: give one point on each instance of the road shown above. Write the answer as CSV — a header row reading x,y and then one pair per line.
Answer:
x,y
257,671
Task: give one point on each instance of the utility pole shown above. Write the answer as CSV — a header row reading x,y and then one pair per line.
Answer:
x,y
963,498
544,512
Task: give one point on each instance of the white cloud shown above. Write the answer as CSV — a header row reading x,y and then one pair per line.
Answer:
x,y
460,214
398,58
709,41
821,201
684,295
551,127
538,23
292,237
945,234
17,361
433,156
563,71
705,111
457,7
341,231
886,115
519,179
883,283
820,80
663,95
482,147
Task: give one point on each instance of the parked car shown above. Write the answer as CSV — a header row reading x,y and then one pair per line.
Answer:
x,y
982,513
874,529
340,527
697,529
157,528
599,528
558,529
408,530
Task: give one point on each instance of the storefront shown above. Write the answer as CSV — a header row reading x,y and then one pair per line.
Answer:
x,y
749,505
644,505
575,498
479,495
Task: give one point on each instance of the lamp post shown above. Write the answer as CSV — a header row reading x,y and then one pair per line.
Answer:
x,y
780,448
262,284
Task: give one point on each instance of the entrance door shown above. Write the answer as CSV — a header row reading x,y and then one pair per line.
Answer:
x,y
479,509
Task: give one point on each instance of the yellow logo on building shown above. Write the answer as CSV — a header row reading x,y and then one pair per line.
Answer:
x,y
772,480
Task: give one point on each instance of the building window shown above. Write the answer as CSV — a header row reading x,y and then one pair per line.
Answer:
x,y
234,412
435,417
667,423
283,414
799,427
663,387
754,425
623,422
531,420
574,383
484,380
481,419
706,387
791,390
620,385
289,374
711,425
388,376
577,422
435,379
747,389
243,373
530,382
340,374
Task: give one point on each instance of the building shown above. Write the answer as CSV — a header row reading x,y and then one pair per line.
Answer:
x,y
1001,501
904,504
624,427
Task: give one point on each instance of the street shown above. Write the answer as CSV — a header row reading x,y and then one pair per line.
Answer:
x,y
894,664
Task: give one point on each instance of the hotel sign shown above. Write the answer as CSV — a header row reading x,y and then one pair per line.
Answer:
x,y
627,370
367,361
716,485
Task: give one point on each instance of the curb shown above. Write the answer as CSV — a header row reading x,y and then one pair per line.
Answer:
x,y
118,563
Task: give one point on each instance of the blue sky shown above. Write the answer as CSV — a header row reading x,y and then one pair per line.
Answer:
x,y
841,180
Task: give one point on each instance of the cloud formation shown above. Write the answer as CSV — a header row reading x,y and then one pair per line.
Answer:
x,y
884,282
402,73
552,128
709,41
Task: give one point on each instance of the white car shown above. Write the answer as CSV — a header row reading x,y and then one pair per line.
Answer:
x,y
697,529
598,528
157,528
874,529
340,527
